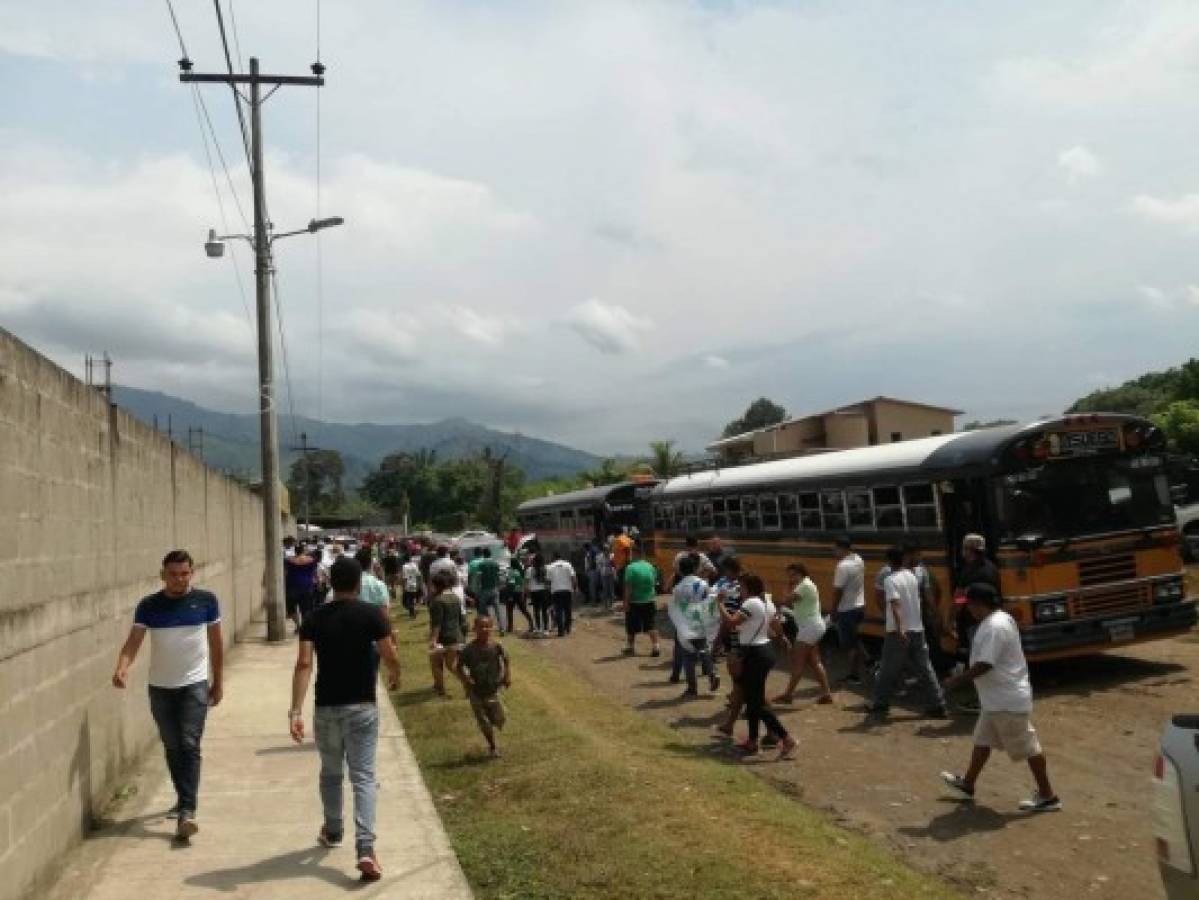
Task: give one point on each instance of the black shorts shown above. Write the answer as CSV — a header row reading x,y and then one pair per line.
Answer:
x,y
640,618
790,628
410,597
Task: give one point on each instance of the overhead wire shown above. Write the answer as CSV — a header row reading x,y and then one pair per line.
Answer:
x,y
320,267
202,114
237,99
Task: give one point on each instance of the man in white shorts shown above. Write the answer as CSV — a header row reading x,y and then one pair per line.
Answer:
x,y
1000,674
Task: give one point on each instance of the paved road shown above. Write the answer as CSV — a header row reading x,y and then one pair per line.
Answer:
x,y
259,812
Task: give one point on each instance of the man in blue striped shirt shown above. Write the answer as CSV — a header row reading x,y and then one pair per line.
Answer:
x,y
185,638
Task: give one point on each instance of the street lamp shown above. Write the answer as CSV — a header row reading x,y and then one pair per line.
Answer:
x,y
262,240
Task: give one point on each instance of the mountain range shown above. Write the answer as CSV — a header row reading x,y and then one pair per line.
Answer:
x,y
229,441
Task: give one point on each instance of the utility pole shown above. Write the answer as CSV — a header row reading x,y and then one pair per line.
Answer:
x,y
272,530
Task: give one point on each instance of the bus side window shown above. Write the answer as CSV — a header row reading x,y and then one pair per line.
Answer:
x,y
749,506
705,514
770,513
789,511
888,508
832,504
809,512
690,517
920,506
736,520
861,509
660,516
720,516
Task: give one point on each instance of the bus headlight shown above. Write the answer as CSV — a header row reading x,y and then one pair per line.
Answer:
x,y
1052,610
1168,591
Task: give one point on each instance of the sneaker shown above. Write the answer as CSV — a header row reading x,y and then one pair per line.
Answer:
x,y
368,865
936,712
327,838
657,651
958,783
675,679
852,678
173,812
689,694
1039,804
186,827
787,748
770,741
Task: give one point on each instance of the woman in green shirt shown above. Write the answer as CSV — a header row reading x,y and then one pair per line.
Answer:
x,y
805,634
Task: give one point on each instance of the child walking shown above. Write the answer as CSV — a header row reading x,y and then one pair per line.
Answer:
x,y
483,667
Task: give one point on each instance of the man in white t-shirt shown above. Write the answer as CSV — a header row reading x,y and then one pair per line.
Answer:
x,y
849,599
563,585
904,642
1000,674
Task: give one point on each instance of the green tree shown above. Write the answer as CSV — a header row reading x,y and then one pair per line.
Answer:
x,y
1180,423
664,461
759,414
317,476
609,472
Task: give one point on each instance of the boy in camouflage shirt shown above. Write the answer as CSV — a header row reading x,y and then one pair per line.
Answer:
x,y
483,667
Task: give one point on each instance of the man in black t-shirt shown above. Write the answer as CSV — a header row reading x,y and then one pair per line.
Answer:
x,y
342,633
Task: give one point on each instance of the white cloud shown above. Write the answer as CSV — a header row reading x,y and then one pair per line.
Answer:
x,y
609,329
482,328
1181,211
1154,296
712,361
1079,163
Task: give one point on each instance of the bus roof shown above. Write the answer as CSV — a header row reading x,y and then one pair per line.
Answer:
x,y
929,457
588,497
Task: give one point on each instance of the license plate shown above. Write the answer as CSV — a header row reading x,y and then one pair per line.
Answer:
x,y
1121,633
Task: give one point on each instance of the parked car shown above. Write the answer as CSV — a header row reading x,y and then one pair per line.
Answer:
x,y
1175,807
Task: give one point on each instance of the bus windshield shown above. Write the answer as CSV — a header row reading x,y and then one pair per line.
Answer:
x,y
1072,498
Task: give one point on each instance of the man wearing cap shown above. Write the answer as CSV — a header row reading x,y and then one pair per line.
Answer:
x,y
1000,674
975,569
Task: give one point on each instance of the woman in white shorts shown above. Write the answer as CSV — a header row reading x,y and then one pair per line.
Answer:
x,y
805,634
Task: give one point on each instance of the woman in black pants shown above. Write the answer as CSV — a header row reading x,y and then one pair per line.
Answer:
x,y
537,589
756,623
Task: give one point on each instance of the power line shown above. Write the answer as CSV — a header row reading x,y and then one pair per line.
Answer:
x,y
320,266
236,42
178,33
241,118
291,403
241,288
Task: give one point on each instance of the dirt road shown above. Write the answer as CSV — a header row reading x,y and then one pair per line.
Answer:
x,y
1099,719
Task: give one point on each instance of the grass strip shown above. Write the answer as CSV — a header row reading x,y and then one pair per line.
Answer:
x,y
593,800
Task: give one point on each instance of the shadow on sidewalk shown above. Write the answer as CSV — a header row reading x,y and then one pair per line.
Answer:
x,y
306,863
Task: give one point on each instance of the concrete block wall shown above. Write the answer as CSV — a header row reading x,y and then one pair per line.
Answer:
x,y
90,500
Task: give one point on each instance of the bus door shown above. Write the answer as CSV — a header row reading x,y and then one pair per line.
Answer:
x,y
963,511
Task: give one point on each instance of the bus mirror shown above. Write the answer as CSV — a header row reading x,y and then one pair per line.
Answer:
x,y
1030,542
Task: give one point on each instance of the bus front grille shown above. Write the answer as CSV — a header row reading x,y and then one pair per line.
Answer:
x,y
1107,569
1111,601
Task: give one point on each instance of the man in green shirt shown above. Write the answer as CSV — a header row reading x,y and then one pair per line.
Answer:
x,y
487,584
640,601
483,667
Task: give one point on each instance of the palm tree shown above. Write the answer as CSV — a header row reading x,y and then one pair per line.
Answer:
x,y
664,461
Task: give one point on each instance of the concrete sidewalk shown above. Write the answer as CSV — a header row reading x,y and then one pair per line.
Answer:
x,y
260,811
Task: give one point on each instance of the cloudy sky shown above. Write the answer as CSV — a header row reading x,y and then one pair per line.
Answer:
x,y
609,222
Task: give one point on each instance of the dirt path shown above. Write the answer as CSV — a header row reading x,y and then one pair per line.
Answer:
x,y
1099,719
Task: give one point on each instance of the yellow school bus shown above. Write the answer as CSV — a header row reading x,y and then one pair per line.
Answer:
x,y
1076,512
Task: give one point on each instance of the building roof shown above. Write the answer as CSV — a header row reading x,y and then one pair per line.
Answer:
x,y
844,409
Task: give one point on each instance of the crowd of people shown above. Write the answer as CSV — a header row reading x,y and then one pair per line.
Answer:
x,y
339,602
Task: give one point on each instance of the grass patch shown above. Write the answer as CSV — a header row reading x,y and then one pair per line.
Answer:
x,y
593,800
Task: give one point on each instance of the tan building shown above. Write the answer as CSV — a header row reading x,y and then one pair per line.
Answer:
x,y
882,420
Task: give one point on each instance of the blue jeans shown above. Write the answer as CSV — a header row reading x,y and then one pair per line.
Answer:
x,y
489,605
180,714
347,736
686,654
